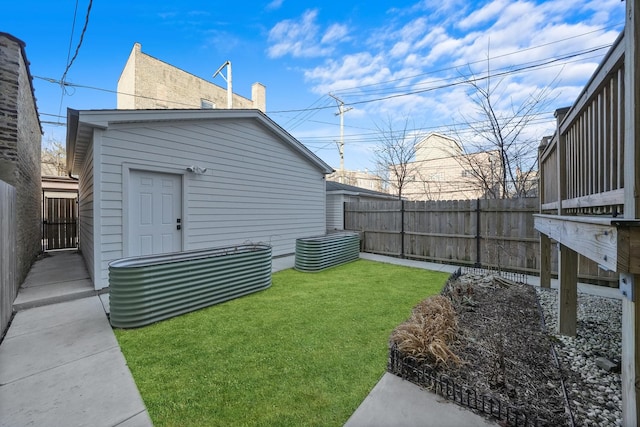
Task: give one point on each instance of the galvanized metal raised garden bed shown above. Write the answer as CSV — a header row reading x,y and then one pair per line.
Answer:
x,y
144,290
318,253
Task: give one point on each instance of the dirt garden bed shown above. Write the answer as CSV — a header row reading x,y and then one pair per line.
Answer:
x,y
506,369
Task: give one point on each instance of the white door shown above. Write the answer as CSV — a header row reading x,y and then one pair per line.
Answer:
x,y
155,213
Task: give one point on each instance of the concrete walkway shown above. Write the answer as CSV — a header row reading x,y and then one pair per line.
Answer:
x,y
399,403
60,363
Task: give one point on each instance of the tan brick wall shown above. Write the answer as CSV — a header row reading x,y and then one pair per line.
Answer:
x,y
157,84
20,145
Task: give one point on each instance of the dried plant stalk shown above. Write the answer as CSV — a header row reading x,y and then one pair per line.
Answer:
x,y
428,332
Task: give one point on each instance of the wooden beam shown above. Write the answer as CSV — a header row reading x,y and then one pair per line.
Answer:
x,y
596,242
568,291
611,242
606,198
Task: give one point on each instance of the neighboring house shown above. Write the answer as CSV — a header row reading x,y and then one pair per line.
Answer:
x,y
338,194
158,181
59,212
20,139
441,171
148,83
362,179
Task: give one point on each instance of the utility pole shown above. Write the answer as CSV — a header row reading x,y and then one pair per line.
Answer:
x,y
341,111
229,83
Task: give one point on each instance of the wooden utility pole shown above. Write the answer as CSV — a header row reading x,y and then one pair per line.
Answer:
x,y
341,111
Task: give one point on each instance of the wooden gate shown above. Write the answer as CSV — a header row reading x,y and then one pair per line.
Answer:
x,y
60,223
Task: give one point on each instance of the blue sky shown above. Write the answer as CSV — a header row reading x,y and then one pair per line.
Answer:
x,y
386,60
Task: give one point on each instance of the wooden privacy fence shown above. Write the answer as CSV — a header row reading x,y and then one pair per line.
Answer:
x,y
8,260
489,233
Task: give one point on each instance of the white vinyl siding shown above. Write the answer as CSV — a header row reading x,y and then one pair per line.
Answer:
x,y
256,187
335,212
85,212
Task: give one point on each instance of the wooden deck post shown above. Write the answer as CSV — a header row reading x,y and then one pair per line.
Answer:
x,y
630,326
630,313
568,290
567,258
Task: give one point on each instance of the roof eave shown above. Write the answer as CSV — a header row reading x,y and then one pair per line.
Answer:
x,y
103,118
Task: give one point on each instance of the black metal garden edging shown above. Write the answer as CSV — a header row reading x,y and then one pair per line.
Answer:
x,y
510,275
409,368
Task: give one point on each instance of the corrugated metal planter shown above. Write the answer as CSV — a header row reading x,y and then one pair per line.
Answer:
x,y
318,253
144,290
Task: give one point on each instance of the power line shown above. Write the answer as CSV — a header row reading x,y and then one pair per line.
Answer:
x,y
342,91
70,62
385,90
471,80
84,30
443,128
303,110
428,89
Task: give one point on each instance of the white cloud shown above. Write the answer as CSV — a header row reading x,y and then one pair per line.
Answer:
x,y
485,14
301,38
296,38
419,47
352,70
400,49
335,33
274,5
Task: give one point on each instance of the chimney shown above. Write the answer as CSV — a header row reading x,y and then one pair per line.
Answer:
x,y
259,96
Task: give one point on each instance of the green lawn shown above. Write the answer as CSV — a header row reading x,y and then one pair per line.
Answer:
x,y
306,351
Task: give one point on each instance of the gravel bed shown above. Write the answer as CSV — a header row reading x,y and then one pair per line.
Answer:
x,y
594,394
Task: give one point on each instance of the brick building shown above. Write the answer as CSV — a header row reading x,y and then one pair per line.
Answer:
x,y
20,139
442,171
148,83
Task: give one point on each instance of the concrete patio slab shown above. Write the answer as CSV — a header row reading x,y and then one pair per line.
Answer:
x,y
69,261
55,277
399,403
104,299
35,319
92,391
60,363
140,420
51,293
80,335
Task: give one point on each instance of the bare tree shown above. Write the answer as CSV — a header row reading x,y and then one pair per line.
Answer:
x,y
54,158
500,156
393,155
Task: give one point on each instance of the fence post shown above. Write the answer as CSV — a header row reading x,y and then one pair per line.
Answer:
x,y
478,260
402,255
